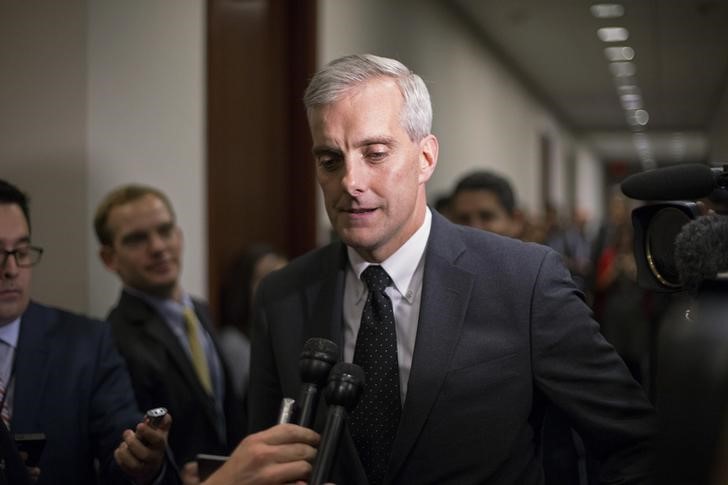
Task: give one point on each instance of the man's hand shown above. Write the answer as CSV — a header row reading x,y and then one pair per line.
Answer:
x,y
33,471
141,454
190,474
281,454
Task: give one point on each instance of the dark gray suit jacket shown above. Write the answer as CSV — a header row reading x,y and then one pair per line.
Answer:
x,y
72,385
162,375
502,330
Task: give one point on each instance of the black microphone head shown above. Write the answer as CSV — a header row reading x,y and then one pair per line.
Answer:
x,y
345,386
687,181
701,250
317,358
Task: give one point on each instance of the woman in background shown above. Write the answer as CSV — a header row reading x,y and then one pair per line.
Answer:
x,y
236,301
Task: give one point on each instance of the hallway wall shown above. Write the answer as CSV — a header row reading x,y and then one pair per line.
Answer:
x,y
483,116
97,93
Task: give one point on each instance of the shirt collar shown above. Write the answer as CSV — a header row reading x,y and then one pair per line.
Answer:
x,y
401,265
9,333
169,308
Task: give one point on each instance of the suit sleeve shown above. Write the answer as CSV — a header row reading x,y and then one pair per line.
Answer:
x,y
113,407
580,372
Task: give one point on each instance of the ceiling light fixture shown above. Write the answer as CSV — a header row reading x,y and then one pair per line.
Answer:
x,y
623,69
640,140
639,117
628,89
631,101
607,10
613,34
614,54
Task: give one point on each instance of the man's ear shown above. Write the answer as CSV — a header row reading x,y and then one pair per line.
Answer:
x,y
429,148
107,255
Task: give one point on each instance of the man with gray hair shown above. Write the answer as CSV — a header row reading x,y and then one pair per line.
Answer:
x,y
464,335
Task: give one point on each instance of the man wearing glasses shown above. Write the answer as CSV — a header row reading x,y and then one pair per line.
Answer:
x,y
61,378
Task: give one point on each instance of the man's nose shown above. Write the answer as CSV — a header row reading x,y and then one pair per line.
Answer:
x,y
354,179
10,266
156,242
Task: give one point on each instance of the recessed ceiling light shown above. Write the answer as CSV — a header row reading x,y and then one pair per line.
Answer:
x,y
631,101
628,89
607,10
622,69
638,117
642,117
641,141
628,83
614,54
648,163
613,34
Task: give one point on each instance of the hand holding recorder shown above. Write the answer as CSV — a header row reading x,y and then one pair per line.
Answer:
x,y
141,452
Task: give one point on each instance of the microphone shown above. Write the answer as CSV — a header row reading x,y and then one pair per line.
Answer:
x,y
701,251
317,358
345,386
686,181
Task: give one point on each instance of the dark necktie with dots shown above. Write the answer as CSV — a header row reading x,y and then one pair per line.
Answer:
x,y
375,419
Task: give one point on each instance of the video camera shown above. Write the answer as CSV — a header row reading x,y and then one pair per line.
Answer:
x,y
675,191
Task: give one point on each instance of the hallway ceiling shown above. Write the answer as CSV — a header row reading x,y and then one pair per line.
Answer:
x,y
680,68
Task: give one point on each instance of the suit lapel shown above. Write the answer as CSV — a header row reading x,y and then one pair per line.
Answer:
x,y
325,298
446,290
153,327
31,366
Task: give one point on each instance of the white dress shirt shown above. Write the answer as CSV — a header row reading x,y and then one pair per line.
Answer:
x,y
406,268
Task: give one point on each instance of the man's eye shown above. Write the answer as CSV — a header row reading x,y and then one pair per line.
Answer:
x,y
22,253
376,156
329,164
135,239
166,230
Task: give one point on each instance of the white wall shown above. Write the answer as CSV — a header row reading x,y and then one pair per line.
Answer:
x,y
43,136
96,93
483,117
146,120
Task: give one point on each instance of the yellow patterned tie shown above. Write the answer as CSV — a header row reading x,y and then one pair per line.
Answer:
x,y
199,361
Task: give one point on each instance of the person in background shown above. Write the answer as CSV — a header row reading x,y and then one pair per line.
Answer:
x,y
236,308
164,334
485,200
463,335
442,205
61,375
620,305
571,242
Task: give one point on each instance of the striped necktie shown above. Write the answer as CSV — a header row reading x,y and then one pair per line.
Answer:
x,y
5,413
197,353
6,364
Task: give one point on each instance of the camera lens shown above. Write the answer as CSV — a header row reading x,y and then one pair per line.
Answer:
x,y
660,244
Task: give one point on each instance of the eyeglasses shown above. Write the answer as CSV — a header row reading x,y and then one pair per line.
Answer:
x,y
24,257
